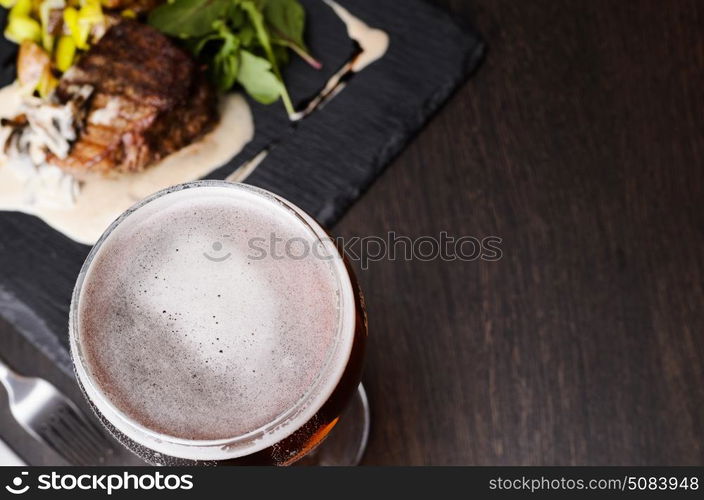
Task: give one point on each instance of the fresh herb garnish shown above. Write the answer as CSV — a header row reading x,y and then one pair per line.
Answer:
x,y
242,41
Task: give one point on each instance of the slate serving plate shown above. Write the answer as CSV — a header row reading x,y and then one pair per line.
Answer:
x,y
322,163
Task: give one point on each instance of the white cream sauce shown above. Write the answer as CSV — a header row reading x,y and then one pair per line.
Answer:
x,y
373,43
82,211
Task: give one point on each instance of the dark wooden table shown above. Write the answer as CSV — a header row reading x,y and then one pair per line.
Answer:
x,y
580,143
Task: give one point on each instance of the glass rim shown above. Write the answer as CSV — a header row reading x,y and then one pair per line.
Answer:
x,y
346,321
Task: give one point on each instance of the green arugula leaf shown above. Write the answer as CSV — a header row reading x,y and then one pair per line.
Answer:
x,y
260,4
282,55
236,15
226,62
247,35
287,19
255,15
188,18
197,45
301,51
241,41
256,76
257,19
226,66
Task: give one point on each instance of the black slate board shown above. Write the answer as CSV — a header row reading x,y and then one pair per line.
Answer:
x,y
322,163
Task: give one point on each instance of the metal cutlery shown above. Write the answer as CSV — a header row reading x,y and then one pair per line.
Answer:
x,y
53,419
8,457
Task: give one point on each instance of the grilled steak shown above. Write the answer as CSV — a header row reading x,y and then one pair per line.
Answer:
x,y
149,99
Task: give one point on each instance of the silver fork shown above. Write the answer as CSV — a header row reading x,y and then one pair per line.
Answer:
x,y
53,419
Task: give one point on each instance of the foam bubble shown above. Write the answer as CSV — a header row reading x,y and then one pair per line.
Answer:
x,y
190,326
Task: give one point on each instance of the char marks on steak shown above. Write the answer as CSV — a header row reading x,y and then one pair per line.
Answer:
x,y
149,99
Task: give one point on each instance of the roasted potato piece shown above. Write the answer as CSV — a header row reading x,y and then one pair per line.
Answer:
x,y
33,63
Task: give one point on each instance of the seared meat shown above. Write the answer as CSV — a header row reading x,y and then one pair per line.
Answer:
x,y
149,99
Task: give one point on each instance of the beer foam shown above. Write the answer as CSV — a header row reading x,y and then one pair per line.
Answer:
x,y
202,317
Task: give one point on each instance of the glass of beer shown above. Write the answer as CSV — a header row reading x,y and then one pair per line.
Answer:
x,y
217,323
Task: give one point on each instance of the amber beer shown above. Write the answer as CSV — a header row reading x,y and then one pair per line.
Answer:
x,y
193,350
312,433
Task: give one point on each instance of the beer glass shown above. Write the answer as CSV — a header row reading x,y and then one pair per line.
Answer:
x,y
196,341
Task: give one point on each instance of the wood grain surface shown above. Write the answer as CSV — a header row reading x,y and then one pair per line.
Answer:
x,y
580,143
